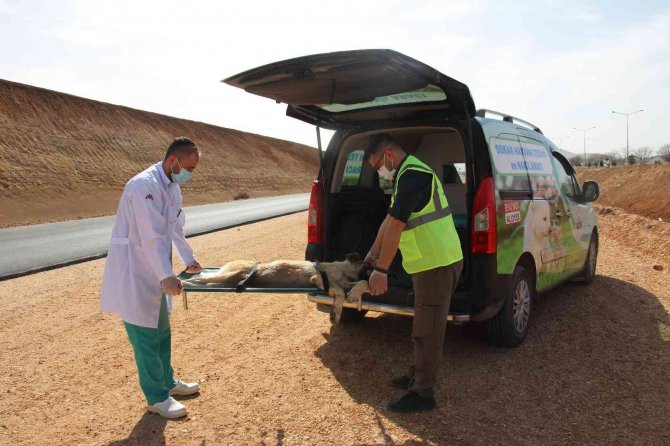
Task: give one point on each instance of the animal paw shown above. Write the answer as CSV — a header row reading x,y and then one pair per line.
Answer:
x,y
356,293
336,312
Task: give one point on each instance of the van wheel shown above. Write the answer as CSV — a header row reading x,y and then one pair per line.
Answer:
x,y
351,315
589,272
509,327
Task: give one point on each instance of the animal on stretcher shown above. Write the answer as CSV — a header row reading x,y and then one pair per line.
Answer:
x,y
347,274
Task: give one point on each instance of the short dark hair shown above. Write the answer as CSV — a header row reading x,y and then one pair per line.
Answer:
x,y
376,141
181,145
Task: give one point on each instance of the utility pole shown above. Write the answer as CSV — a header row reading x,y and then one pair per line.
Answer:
x,y
584,133
627,115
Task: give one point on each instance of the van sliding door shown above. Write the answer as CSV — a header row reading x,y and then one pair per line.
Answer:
x,y
548,225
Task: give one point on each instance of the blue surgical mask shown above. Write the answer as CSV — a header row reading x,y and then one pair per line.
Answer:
x,y
181,177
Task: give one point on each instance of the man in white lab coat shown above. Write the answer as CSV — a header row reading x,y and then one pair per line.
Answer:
x,y
138,280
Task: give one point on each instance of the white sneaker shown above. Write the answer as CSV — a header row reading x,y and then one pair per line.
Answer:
x,y
184,389
170,408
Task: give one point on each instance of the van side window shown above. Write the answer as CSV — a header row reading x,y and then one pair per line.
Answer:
x,y
352,169
538,161
510,166
453,173
566,181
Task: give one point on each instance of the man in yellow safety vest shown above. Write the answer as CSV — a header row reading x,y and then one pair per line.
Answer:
x,y
419,222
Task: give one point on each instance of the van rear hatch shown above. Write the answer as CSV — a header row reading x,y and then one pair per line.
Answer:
x,y
342,89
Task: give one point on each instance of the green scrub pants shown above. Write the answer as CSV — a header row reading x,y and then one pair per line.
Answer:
x,y
152,355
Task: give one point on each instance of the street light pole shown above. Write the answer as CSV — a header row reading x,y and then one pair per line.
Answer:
x,y
627,115
584,133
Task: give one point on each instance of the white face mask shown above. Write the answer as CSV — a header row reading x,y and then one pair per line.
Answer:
x,y
384,172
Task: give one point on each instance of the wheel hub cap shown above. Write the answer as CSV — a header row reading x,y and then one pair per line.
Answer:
x,y
521,306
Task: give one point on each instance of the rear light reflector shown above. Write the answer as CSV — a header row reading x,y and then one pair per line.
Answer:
x,y
484,219
315,214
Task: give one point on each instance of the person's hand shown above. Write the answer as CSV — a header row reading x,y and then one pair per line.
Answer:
x,y
194,268
172,286
378,283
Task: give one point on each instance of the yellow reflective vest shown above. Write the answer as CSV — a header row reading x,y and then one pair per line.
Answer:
x,y
429,240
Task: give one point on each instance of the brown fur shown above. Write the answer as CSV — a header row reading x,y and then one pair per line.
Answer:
x,y
295,274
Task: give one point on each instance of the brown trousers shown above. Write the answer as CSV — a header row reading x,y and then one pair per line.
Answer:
x,y
432,295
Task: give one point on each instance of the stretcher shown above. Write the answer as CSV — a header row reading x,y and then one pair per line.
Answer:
x,y
315,295
240,287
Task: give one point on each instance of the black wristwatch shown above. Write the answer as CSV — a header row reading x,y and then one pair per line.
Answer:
x,y
381,270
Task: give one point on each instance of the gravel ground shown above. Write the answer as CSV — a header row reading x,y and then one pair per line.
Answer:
x,y
593,370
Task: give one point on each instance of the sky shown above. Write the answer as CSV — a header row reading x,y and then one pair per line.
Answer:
x,y
558,64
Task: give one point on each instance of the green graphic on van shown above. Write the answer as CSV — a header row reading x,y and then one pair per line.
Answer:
x,y
352,172
543,226
352,169
430,93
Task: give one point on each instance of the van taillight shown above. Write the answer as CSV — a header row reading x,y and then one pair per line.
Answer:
x,y
315,214
484,219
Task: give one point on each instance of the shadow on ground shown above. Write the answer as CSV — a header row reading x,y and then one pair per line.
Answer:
x,y
593,370
148,431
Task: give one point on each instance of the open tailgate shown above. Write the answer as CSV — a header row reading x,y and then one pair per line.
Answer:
x,y
342,89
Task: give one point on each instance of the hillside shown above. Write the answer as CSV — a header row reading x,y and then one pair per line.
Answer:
x,y
65,157
639,189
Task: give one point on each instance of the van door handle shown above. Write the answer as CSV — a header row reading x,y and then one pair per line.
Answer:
x,y
559,214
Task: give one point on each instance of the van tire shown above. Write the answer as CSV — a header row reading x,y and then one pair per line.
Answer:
x,y
351,316
503,330
588,273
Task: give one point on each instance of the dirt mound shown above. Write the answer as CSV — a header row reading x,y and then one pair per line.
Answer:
x,y
639,189
65,157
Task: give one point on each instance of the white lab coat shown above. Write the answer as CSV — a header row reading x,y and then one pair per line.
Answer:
x,y
149,219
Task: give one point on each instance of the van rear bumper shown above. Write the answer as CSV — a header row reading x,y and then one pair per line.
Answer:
x,y
489,288
479,299
321,299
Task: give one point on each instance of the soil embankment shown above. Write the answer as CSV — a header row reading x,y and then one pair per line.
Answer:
x,y
639,189
64,157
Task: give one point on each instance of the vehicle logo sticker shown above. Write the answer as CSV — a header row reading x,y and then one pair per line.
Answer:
x,y
510,157
512,212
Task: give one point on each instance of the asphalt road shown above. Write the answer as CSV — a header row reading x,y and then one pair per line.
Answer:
x,y
29,249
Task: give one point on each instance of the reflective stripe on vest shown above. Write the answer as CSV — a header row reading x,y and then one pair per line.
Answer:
x,y
439,212
429,239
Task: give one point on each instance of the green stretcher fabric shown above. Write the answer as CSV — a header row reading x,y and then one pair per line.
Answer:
x,y
152,348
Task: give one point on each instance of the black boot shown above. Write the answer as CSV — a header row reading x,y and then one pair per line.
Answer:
x,y
403,383
412,402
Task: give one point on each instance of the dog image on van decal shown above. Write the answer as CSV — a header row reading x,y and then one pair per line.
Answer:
x,y
537,229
